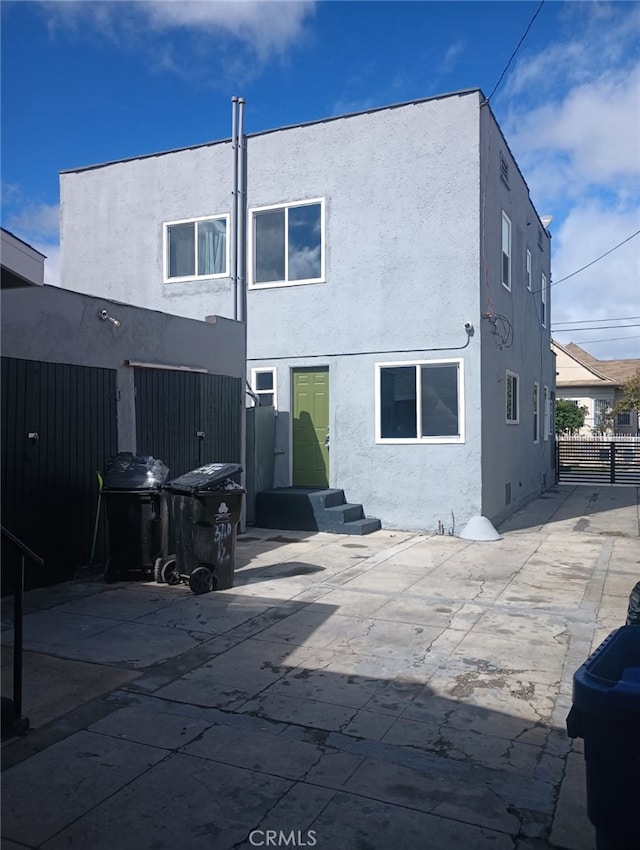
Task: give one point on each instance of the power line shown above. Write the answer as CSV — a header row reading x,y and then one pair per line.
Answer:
x,y
606,254
512,57
597,328
584,321
612,339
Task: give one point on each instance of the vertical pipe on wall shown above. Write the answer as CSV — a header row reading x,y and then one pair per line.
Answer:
x,y
241,217
233,236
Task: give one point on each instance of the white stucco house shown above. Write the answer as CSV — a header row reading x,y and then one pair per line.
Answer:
x,y
597,385
397,289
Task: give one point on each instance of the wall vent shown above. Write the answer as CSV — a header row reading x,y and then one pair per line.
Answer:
x,y
504,169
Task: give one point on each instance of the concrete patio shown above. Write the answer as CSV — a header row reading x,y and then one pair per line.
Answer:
x,y
366,693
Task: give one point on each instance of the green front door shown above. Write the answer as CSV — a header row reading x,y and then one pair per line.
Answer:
x,y
310,427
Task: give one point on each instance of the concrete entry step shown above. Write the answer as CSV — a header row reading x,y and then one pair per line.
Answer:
x,y
310,509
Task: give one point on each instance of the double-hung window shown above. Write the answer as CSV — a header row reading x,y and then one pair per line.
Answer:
x,y
543,300
506,251
546,424
288,244
536,411
513,398
196,248
420,402
263,382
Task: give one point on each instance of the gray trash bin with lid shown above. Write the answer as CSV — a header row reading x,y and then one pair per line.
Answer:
x,y
136,515
204,507
606,714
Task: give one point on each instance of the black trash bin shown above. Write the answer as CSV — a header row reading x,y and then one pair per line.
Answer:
x,y
204,507
136,515
606,714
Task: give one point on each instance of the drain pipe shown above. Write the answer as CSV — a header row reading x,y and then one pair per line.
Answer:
x,y
234,198
241,218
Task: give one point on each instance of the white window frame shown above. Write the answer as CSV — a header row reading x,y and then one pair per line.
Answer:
x,y
252,244
536,412
449,361
165,249
254,382
506,249
543,299
528,269
546,424
511,419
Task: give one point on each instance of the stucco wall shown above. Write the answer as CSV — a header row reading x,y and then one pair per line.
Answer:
x,y
509,455
404,272
56,325
402,223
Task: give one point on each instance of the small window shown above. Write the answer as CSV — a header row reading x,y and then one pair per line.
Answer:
x,y
263,383
506,252
624,418
195,249
512,400
536,412
419,402
504,170
288,244
528,270
543,301
546,425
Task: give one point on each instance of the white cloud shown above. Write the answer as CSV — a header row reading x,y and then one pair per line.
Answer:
x,y
267,27
609,289
572,120
451,56
39,226
36,221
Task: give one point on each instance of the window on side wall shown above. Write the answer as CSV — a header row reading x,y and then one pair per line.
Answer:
x,y
288,244
420,402
543,300
623,419
536,412
263,383
546,424
506,251
512,400
195,248
528,269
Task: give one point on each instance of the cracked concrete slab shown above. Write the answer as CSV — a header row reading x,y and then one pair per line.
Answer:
x,y
396,689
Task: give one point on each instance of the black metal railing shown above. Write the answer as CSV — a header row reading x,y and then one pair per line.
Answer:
x,y
20,723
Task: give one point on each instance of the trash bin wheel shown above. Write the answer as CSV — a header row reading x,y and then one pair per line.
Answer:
x,y
201,580
169,572
157,571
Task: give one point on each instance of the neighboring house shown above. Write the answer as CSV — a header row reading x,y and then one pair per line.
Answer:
x,y
596,385
397,296
84,377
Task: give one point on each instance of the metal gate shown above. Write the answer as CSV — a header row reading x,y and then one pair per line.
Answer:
x,y
187,419
58,426
598,461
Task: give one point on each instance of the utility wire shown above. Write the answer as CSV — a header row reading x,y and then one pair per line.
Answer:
x,y
612,339
606,254
597,328
585,321
512,57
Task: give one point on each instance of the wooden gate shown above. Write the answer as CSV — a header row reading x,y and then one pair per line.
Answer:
x,y
58,426
598,460
187,419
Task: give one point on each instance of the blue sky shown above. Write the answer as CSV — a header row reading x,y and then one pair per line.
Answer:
x,y
88,82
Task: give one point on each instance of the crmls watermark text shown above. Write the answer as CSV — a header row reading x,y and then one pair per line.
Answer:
x,y
275,838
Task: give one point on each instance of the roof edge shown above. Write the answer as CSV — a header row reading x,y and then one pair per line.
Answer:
x,y
460,93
